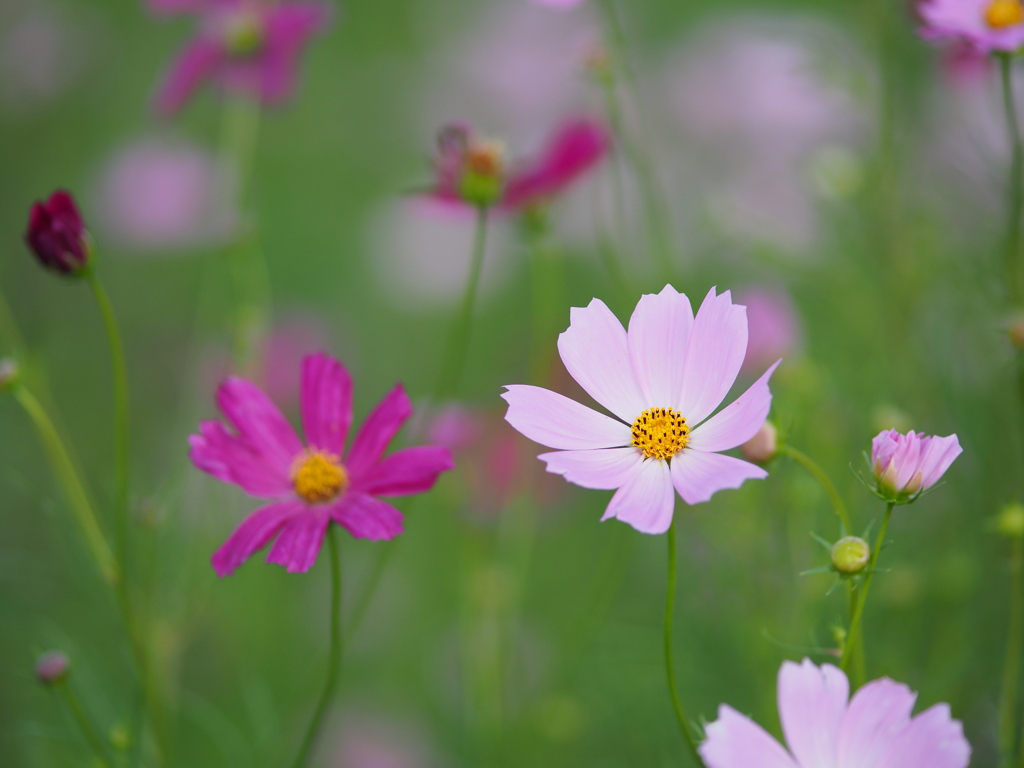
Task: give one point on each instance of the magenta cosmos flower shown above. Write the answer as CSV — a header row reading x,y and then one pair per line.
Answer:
x,y
310,484
824,727
989,25
662,378
905,466
247,46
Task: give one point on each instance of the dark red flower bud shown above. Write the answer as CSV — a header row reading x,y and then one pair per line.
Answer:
x,y
56,234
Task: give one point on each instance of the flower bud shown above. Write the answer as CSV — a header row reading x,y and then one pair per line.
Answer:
x,y
762,447
1010,521
56,234
850,554
52,667
483,173
904,466
9,374
1015,330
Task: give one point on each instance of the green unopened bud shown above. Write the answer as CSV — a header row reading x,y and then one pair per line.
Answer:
x,y
850,555
1015,329
52,667
9,374
1010,521
120,737
243,34
484,172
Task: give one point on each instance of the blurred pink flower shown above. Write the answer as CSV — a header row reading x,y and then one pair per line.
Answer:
x,y
310,484
905,466
989,25
376,743
559,3
246,46
288,342
664,377
824,727
773,327
455,427
963,65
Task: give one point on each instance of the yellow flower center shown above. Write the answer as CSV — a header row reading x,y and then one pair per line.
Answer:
x,y
243,33
1004,13
660,433
318,476
486,157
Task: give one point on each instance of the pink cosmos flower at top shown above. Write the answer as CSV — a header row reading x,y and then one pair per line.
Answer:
x,y
662,378
907,465
310,483
823,726
989,25
248,46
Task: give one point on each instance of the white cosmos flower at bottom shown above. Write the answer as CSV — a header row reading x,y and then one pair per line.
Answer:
x,y
663,377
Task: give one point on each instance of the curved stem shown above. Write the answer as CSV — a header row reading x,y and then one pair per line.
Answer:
x,y
670,599
853,635
334,653
84,724
1014,649
812,467
1013,228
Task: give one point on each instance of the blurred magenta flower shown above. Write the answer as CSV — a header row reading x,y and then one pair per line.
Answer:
x,y
310,484
559,3
56,234
469,167
52,667
905,466
824,727
663,377
989,25
246,46
773,324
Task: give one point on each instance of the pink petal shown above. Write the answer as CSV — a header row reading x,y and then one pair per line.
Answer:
x,y
698,475
198,61
288,28
594,352
736,741
253,534
737,422
812,703
233,460
366,517
558,422
907,458
718,343
602,469
938,454
300,540
411,470
659,331
877,714
646,500
380,426
326,402
177,6
258,421
932,740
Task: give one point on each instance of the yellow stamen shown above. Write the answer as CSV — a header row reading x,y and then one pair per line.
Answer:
x,y
486,158
318,476
660,433
1004,13
243,33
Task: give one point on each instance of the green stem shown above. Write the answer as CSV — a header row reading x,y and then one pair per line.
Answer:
x,y
670,599
853,635
363,603
812,467
458,341
1014,650
1013,228
334,652
84,724
547,283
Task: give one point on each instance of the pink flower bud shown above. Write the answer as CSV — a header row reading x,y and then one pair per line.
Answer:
x,y
907,465
762,447
52,667
56,234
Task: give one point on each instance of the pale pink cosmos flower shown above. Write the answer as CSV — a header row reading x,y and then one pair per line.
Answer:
x,y
662,378
989,25
245,46
823,726
310,483
907,465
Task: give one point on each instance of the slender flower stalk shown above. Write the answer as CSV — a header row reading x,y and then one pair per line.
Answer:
x,y
84,723
818,474
334,653
547,285
1014,649
670,599
1016,187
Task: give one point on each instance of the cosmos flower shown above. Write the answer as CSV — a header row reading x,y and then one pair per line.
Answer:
x,y
905,466
56,234
247,46
989,25
824,727
662,379
310,484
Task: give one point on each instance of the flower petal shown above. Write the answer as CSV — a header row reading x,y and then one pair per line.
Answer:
x,y
878,712
232,459
366,517
410,470
938,454
254,533
594,350
932,739
602,469
659,331
288,28
259,422
738,421
812,702
198,61
646,500
326,402
698,475
380,426
736,741
300,540
553,420
714,354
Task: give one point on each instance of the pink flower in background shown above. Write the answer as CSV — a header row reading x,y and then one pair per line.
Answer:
x,y
773,327
559,3
310,484
989,25
247,46
963,65
662,378
824,727
907,465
